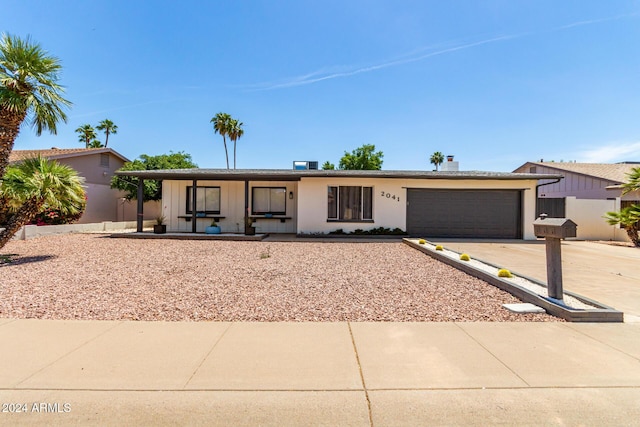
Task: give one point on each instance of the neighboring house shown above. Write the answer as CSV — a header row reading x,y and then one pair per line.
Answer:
x,y
429,204
586,193
97,166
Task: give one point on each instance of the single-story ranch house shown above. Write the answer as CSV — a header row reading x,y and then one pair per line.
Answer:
x,y
430,204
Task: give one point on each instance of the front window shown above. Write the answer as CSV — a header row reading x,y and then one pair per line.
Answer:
x,y
207,200
350,203
269,200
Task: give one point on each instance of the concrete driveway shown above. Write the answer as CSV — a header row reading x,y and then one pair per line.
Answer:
x,y
606,273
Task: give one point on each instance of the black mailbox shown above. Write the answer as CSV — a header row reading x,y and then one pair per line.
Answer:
x,y
554,227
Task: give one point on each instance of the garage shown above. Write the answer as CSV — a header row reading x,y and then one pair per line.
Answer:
x,y
491,214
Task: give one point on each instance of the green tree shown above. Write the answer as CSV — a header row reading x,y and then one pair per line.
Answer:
x,y
633,183
152,188
109,128
328,166
221,125
436,159
362,158
235,132
87,134
629,219
34,185
95,144
29,90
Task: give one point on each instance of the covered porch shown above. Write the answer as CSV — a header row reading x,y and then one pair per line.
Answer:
x,y
239,202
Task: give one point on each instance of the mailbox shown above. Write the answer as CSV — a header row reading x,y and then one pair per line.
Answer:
x,y
554,227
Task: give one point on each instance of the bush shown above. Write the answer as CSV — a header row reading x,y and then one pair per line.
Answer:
x,y
380,231
439,248
464,257
56,217
503,272
422,241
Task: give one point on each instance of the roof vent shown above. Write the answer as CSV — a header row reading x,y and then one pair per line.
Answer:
x,y
305,165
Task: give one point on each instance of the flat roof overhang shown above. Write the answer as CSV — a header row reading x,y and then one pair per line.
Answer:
x,y
297,175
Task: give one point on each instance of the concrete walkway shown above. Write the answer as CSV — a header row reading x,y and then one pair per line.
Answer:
x,y
360,374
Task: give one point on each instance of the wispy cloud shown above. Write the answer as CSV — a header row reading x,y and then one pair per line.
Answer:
x,y
611,152
122,107
327,73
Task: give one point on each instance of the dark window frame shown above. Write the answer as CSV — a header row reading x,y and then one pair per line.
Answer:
x,y
190,196
270,212
365,215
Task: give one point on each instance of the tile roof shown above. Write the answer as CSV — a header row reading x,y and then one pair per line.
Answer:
x,y
57,153
616,172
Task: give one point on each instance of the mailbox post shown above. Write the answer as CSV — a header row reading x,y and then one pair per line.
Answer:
x,y
554,229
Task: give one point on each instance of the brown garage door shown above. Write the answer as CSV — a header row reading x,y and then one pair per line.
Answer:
x,y
494,214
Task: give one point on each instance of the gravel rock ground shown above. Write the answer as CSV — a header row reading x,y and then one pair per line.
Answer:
x,y
96,277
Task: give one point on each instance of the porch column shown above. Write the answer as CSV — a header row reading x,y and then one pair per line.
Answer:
x,y
246,206
140,216
194,200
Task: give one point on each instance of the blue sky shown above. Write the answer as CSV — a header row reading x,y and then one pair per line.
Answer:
x,y
495,83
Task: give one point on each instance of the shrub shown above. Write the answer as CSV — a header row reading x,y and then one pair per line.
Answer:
x,y
464,257
503,272
439,248
56,217
422,241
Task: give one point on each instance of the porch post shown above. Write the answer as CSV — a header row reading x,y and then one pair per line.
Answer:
x,y
194,200
140,216
246,206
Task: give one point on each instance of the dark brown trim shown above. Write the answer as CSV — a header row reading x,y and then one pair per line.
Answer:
x,y
140,211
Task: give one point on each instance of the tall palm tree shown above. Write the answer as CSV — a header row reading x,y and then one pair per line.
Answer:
x,y
235,133
28,91
34,185
221,126
108,127
436,159
86,134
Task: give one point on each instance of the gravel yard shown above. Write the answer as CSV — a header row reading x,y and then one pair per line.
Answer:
x,y
84,276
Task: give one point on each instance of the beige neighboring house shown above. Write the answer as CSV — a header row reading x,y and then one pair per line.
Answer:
x,y
97,166
586,192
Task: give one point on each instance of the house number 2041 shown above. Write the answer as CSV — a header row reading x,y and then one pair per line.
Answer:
x,y
390,196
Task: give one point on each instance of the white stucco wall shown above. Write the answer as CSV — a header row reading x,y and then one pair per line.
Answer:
x,y
588,215
389,212
174,204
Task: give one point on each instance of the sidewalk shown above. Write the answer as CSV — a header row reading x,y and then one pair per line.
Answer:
x,y
360,374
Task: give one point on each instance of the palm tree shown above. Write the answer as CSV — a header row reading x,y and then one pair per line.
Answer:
x,y
235,133
221,123
436,159
629,219
633,184
86,134
109,128
95,144
34,185
28,91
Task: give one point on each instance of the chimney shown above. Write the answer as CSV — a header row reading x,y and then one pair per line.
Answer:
x,y
450,165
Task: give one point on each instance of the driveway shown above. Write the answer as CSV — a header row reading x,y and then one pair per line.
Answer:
x,y
606,273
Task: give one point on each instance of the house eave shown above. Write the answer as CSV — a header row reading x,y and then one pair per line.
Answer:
x,y
297,175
